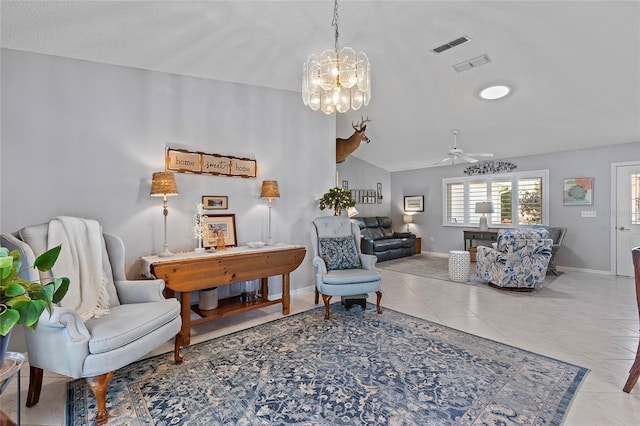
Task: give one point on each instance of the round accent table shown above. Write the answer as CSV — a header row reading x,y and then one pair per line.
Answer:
x,y
459,265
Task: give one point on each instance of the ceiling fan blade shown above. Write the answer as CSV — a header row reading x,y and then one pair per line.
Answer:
x,y
480,154
466,158
443,161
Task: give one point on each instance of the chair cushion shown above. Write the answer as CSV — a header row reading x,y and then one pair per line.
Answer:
x,y
127,323
339,253
351,276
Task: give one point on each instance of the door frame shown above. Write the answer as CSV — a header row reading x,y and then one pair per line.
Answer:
x,y
613,209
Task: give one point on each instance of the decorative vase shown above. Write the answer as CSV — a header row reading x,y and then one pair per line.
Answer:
x,y
4,343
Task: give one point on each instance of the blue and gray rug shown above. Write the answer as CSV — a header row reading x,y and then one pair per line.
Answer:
x,y
358,368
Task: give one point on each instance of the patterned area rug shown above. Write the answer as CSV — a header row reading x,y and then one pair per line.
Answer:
x,y
430,266
358,368
422,264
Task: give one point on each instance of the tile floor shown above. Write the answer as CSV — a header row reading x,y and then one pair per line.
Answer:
x,y
587,319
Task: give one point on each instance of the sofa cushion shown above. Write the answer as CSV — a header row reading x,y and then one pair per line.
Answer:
x,y
390,244
339,253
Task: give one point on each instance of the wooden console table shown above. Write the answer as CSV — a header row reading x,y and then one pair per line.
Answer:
x,y
187,272
477,235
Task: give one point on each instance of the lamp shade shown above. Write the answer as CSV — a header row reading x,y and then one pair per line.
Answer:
x,y
486,207
407,218
163,184
352,211
270,189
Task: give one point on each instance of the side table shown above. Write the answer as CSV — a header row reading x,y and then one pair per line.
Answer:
x,y
418,245
9,368
459,265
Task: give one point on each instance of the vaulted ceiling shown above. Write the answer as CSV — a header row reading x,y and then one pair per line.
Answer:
x,y
575,65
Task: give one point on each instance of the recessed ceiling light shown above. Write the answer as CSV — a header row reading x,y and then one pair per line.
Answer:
x,y
495,91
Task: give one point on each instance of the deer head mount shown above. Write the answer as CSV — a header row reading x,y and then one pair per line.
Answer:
x,y
344,147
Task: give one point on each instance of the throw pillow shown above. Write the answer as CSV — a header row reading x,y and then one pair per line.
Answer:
x,y
339,253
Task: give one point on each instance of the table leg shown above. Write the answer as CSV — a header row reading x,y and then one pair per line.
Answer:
x,y
286,297
265,288
184,336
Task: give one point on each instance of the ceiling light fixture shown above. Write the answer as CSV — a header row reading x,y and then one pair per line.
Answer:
x,y
495,91
336,80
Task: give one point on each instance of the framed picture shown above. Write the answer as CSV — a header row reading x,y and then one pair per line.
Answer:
x,y
578,192
216,225
414,203
345,184
215,202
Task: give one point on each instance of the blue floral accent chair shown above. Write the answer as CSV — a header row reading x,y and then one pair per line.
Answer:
x,y
341,269
518,260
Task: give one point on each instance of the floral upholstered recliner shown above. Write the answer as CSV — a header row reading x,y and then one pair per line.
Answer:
x,y
518,260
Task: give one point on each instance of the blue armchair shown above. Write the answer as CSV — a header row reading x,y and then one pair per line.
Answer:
x,y
340,268
519,260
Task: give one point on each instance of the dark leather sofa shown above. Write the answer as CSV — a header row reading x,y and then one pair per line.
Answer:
x,y
378,238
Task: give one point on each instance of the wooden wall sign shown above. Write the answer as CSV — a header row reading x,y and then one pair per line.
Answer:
x,y
182,160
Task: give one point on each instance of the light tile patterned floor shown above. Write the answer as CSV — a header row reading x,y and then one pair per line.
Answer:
x,y
587,319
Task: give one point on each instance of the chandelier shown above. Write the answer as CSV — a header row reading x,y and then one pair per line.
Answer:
x,y
336,80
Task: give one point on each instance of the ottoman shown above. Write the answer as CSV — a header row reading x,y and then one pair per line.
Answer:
x,y
459,265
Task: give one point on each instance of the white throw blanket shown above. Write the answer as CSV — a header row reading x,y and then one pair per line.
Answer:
x,y
81,261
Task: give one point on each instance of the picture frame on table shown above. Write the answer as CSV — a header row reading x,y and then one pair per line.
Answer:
x,y
578,192
215,202
213,224
414,203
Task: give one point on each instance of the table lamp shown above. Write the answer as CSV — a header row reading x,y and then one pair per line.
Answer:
x,y
407,218
269,190
352,211
484,208
164,185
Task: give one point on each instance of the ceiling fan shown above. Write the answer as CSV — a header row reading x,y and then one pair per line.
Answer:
x,y
458,153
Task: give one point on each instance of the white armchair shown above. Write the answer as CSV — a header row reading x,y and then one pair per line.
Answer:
x,y
139,320
340,267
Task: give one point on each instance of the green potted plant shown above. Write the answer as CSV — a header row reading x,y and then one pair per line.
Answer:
x,y
21,301
337,198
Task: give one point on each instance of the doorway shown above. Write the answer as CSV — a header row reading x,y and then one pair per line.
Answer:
x,y
625,215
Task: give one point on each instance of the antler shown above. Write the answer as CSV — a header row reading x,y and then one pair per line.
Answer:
x,y
358,127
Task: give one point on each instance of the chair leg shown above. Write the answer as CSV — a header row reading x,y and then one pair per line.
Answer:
x,y
35,385
634,373
326,299
378,299
98,385
317,294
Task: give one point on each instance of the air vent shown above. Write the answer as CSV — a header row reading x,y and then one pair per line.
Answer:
x,y
454,43
472,63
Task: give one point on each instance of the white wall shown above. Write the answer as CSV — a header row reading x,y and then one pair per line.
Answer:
x,y
363,175
83,139
587,242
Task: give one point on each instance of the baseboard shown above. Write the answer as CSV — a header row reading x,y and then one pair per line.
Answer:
x,y
560,268
589,271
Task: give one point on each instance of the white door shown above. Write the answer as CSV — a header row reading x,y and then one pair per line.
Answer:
x,y
627,216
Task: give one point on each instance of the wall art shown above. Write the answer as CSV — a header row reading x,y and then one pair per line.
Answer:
x,y
490,167
185,161
215,202
578,192
414,203
214,225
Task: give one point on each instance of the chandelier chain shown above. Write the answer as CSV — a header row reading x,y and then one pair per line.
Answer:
x,y
334,24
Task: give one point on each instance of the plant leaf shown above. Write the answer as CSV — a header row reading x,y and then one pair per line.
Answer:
x,y
8,318
30,311
61,289
46,260
13,290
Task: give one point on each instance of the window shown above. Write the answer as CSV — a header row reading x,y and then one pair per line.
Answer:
x,y
517,198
